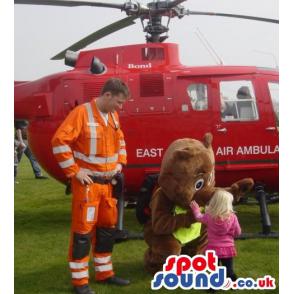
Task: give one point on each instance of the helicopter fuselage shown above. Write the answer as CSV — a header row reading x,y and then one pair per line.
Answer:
x,y
168,101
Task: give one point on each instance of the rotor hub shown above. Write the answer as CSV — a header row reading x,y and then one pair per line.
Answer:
x,y
155,29
152,13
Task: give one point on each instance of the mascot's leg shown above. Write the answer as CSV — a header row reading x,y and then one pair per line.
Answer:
x,y
196,246
160,247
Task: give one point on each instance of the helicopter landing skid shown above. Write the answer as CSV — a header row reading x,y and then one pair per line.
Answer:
x,y
261,197
124,235
246,236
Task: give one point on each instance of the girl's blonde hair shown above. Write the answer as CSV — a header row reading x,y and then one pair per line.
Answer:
x,y
221,204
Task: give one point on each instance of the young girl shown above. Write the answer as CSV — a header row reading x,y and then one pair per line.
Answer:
x,y
222,227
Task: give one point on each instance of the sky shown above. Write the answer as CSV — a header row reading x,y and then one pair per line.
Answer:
x,y
41,32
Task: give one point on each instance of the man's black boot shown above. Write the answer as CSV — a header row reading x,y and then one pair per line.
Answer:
x,y
116,281
84,289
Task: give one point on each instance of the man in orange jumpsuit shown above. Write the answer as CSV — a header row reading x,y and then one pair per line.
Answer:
x,y
90,148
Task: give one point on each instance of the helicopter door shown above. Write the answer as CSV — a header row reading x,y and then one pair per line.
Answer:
x,y
78,92
272,90
193,106
72,95
242,140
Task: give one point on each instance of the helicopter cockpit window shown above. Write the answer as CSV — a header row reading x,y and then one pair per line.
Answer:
x,y
274,92
152,53
237,100
198,96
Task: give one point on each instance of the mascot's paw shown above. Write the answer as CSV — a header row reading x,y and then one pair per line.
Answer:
x,y
241,187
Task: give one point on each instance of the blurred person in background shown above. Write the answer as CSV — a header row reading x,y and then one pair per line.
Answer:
x,y
22,147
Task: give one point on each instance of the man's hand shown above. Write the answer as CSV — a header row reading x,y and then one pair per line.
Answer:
x,y
84,178
118,168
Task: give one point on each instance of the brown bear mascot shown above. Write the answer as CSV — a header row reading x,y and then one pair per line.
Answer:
x,y
187,173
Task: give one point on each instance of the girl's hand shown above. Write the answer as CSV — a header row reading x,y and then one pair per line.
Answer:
x,y
195,208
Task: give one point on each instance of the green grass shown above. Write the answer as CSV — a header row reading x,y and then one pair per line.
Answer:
x,y
42,221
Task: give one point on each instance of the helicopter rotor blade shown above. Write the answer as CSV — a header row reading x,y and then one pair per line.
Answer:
x,y
70,3
175,3
189,12
125,22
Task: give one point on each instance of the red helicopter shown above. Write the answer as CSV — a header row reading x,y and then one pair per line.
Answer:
x,y
239,105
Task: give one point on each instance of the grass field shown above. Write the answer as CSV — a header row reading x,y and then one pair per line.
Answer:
x,y
42,221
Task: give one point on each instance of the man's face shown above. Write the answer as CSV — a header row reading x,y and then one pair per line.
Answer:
x,y
114,102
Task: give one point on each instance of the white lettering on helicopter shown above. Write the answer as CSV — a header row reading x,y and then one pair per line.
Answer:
x,y
227,150
222,151
139,66
153,152
247,150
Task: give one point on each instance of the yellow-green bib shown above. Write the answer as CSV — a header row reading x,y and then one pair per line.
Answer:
x,y
185,235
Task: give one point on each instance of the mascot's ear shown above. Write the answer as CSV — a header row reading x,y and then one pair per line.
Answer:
x,y
207,140
184,154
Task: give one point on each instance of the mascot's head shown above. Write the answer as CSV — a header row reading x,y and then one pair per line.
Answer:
x,y
187,168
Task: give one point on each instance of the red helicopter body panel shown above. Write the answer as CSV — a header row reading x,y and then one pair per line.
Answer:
x,y
161,110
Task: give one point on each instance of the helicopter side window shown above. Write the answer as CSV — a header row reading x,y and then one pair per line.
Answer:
x,y
198,96
237,100
152,53
274,93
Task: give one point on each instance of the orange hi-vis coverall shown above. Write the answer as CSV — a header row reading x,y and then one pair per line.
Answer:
x,y
84,141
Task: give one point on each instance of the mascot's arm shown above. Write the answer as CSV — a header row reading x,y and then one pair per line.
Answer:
x,y
164,222
241,187
238,189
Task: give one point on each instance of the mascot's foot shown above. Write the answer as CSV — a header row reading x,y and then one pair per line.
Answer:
x,y
85,289
114,280
151,267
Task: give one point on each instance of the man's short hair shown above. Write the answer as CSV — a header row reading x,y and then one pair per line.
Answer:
x,y
115,86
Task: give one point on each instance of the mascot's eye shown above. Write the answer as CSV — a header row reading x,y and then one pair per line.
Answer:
x,y
199,184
